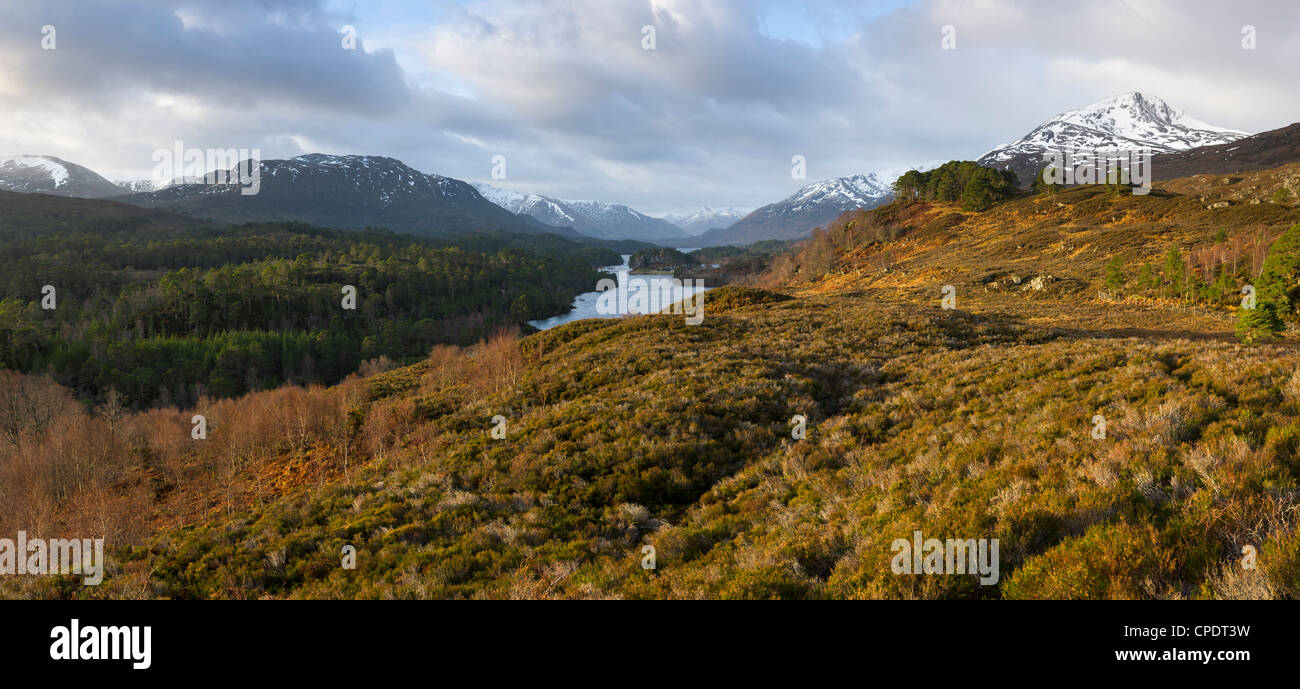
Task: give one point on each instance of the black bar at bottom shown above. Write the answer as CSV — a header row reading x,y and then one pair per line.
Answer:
x,y
943,641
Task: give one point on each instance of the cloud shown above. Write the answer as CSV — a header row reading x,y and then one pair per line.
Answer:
x,y
565,90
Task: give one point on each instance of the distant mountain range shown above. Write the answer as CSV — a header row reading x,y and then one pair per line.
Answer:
x,y
352,192
795,216
593,218
1128,121
706,219
39,174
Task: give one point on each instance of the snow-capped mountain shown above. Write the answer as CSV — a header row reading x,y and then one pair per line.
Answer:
x,y
136,186
37,174
706,219
1128,121
795,216
592,218
547,210
348,192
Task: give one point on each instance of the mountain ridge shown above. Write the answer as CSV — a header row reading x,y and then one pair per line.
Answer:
x,y
795,216
707,218
43,174
346,192
598,219
1256,152
1127,121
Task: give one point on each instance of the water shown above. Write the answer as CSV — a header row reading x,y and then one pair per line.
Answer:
x,y
584,305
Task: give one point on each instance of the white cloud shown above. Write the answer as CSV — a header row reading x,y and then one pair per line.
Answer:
x,y
565,91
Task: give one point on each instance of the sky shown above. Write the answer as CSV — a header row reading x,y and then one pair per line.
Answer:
x,y
568,94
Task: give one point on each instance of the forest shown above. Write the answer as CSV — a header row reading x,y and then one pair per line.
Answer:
x,y
164,313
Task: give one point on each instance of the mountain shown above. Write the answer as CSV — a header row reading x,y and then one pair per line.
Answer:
x,y
795,216
36,174
136,186
706,219
1125,122
347,192
592,218
1257,152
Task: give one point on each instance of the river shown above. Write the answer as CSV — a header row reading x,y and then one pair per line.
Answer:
x,y
584,305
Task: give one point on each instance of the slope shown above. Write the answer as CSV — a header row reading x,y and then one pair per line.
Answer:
x,y
974,422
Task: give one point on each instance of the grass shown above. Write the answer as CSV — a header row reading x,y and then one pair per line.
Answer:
x,y
970,423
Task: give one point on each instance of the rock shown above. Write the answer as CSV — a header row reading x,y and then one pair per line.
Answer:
x,y
1218,204
1040,282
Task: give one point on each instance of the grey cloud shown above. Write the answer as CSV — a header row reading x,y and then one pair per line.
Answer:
x,y
564,90
235,54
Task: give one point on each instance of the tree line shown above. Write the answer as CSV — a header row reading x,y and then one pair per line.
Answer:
x,y
163,317
977,187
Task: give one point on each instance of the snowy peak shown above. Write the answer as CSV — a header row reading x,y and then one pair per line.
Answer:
x,y
854,191
707,218
548,210
1147,118
39,174
814,205
135,186
48,166
1128,121
592,218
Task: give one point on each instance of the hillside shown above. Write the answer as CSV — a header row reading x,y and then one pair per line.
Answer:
x,y
27,215
973,422
1259,152
1065,239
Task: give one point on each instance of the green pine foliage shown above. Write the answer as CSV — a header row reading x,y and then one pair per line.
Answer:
x,y
975,186
1275,291
1260,322
165,316
1115,273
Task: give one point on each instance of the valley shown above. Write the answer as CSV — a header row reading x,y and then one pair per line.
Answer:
x,y
1097,384
976,421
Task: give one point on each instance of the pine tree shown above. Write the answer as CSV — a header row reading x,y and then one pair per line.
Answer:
x,y
1146,278
979,194
1261,322
1174,269
1115,273
1042,186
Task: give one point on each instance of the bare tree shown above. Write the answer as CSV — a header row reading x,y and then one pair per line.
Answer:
x,y
28,404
